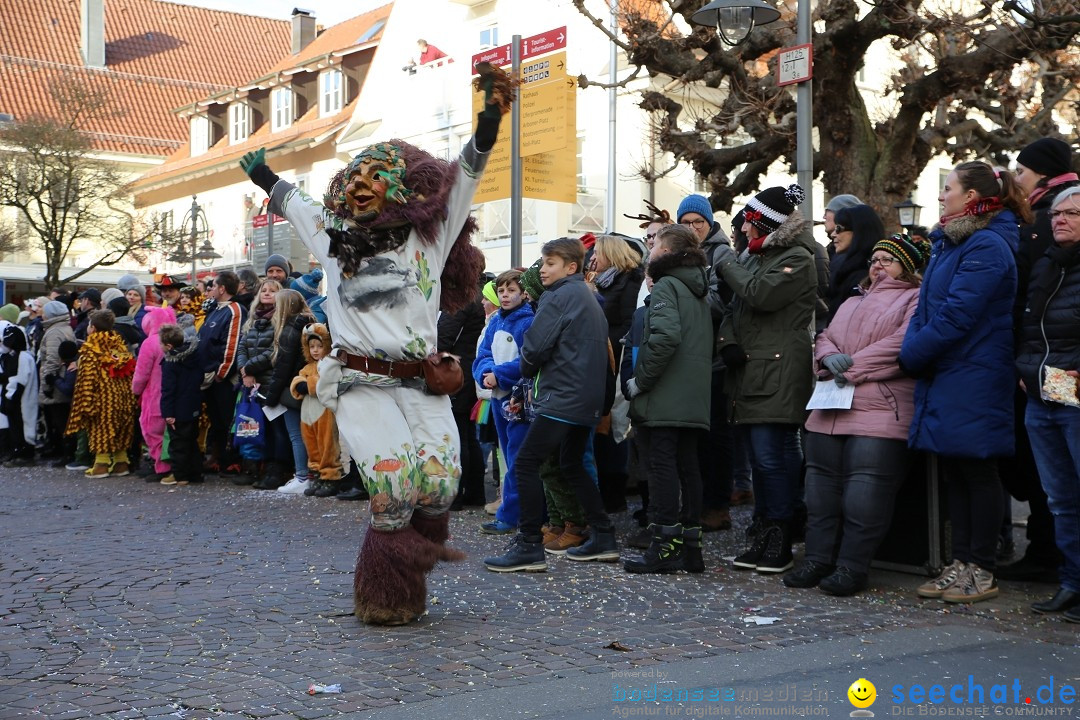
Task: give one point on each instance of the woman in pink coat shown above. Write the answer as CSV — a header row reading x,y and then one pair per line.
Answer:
x,y
147,386
856,459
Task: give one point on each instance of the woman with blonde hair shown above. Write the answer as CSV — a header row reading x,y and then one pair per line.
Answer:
x,y
291,316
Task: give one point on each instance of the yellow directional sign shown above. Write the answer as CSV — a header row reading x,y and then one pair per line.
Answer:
x,y
548,137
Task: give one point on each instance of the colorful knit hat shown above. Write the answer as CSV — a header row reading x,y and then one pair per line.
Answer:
x,y
308,285
530,280
490,293
912,254
772,206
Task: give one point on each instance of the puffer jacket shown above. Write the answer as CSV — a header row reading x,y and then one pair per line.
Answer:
x,y
57,330
1035,239
870,328
256,346
146,383
674,360
960,342
289,360
770,319
1050,334
620,301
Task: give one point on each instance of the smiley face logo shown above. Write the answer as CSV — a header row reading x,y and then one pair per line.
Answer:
x,y
862,693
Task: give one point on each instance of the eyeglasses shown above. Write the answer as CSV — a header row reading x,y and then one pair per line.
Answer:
x,y
882,261
1067,214
837,229
649,236
693,223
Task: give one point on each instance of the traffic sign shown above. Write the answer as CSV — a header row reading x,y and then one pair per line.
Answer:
x,y
795,64
545,42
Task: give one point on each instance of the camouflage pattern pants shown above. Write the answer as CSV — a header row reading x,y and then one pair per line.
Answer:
x,y
405,444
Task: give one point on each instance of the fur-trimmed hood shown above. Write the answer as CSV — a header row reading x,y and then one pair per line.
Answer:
x,y
315,329
688,267
960,229
796,230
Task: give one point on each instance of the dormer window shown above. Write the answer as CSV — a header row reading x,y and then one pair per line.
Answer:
x,y
330,92
281,100
200,134
239,122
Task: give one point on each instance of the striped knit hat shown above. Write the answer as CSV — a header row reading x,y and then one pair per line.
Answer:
x,y
912,254
771,207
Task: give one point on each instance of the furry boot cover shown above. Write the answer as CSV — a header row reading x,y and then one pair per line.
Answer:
x,y
436,529
389,586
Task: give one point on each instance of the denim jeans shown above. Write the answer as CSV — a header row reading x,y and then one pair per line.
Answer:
x,y
974,509
851,486
1055,438
545,437
292,442
776,458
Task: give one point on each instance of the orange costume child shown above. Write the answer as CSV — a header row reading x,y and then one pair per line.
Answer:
x,y
317,424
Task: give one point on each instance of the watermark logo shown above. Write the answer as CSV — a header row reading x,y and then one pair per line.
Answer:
x,y
862,695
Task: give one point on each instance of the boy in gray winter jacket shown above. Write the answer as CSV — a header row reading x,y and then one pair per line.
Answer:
x,y
565,350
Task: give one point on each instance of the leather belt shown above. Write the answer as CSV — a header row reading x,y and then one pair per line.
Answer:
x,y
390,368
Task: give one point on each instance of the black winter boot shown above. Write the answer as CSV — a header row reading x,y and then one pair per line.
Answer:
x,y
777,556
249,471
664,554
755,546
272,476
692,560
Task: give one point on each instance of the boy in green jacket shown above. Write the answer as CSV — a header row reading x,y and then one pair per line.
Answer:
x,y
670,399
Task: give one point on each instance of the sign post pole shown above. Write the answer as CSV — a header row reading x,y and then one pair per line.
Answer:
x,y
515,157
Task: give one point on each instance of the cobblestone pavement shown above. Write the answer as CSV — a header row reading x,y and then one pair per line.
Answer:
x,y
120,599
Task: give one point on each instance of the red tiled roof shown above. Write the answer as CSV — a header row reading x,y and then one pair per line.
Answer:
x,y
343,35
158,55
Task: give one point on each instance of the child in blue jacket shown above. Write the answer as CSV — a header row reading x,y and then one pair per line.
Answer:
x,y
497,367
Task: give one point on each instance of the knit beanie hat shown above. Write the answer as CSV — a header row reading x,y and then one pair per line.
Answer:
x,y
491,293
772,206
694,204
530,281
119,306
280,261
54,308
911,253
68,351
308,285
109,295
130,282
14,338
1047,156
842,201
9,312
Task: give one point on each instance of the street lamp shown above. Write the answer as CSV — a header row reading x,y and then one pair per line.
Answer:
x,y
193,228
734,19
908,212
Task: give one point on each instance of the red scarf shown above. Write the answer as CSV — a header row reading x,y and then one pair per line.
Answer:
x,y
1052,183
978,206
757,245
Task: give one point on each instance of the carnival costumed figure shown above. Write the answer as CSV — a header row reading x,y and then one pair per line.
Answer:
x,y
393,235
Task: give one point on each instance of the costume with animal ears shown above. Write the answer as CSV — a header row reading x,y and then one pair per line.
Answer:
x,y
388,274
317,424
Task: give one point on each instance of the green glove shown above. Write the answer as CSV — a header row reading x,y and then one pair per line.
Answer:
x,y
252,160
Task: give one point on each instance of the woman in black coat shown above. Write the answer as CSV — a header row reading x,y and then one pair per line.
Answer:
x,y
618,276
291,316
857,230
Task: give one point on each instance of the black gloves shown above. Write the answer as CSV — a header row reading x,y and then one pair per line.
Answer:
x,y
733,356
301,388
487,129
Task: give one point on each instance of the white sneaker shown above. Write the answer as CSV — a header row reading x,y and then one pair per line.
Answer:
x,y
296,486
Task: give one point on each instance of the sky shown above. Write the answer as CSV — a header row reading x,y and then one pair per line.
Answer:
x,y
327,12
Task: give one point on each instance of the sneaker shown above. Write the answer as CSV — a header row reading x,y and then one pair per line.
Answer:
x,y
777,556
808,574
1072,616
600,546
497,527
571,536
949,576
296,486
975,585
325,488
493,507
169,479
100,470
550,532
60,464
356,493
120,469
520,556
844,582
755,547
77,465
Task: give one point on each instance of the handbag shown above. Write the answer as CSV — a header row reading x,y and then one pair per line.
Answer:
x,y
443,373
249,427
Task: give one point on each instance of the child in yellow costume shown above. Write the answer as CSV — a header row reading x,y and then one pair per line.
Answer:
x,y
317,424
103,404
